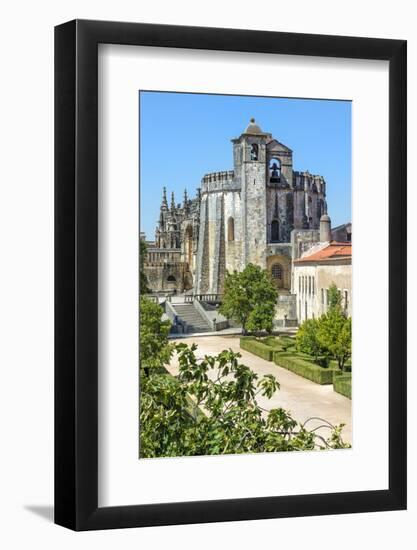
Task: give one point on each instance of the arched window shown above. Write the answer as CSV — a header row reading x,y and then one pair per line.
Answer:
x,y
274,170
230,229
254,152
171,279
274,231
276,271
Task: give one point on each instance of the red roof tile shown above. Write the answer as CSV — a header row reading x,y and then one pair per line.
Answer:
x,y
332,251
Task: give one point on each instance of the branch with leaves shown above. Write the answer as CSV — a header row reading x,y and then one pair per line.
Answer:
x,y
211,407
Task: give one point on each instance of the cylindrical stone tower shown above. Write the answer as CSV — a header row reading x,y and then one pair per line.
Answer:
x,y
325,229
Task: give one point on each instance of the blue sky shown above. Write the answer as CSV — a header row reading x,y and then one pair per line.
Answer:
x,y
184,136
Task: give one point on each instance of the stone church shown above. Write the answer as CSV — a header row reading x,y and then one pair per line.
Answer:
x,y
263,211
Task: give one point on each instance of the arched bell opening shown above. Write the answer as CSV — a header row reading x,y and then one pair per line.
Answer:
x,y
274,170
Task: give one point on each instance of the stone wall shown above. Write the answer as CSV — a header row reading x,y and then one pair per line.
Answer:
x,y
342,233
286,309
203,267
165,271
253,175
233,217
302,240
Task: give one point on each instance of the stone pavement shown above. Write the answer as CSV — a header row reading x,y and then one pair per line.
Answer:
x,y
301,397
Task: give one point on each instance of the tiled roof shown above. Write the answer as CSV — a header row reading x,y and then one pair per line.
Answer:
x,y
333,251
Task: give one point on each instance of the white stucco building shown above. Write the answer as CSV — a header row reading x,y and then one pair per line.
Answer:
x,y
315,271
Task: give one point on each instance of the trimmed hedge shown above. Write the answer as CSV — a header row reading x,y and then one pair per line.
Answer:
x,y
348,365
287,341
342,383
256,347
274,349
274,343
302,367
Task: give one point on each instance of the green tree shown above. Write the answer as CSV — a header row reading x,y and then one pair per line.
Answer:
x,y
143,280
154,349
250,298
307,338
335,335
212,408
334,297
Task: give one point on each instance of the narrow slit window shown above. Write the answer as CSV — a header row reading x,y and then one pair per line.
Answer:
x,y
231,229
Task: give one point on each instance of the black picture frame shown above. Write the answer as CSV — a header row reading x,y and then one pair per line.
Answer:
x,y
76,273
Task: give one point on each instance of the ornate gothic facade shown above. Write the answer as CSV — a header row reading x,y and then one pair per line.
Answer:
x,y
262,211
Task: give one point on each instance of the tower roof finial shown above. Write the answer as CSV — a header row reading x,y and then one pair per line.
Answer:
x,y
253,128
164,203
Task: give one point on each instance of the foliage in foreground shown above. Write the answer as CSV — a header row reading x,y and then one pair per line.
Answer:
x,y
249,298
212,407
154,349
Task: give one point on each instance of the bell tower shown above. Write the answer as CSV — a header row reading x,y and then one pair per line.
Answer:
x,y
250,168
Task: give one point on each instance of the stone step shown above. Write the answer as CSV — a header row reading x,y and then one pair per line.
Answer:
x,y
189,315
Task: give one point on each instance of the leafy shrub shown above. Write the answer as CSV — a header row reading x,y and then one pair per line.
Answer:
x,y
307,340
302,367
154,350
334,333
325,363
334,297
329,337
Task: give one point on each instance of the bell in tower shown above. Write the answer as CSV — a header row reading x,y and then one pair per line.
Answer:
x,y
275,171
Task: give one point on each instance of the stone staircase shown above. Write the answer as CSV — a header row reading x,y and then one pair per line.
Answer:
x,y
194,321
